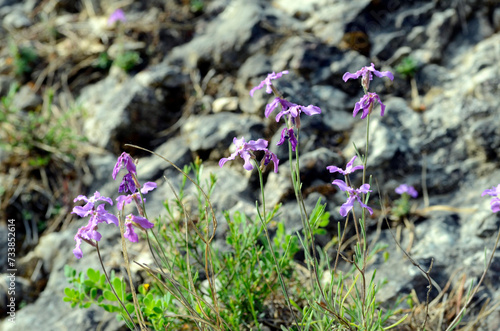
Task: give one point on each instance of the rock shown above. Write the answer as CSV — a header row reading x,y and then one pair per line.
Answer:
x,y
225,104
27,100
207,132
440,31
129,111
16,19
215,44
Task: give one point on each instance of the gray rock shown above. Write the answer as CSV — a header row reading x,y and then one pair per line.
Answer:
x,y
130,112
206,132
240,17
27,100
16,19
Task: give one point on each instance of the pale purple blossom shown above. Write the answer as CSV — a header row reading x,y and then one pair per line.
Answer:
x,y
123,200
288,134
86,209
495,201
268,157
132,221
267,82
89,232
349,169
353,194
366,103
244,150
408,189
366,74
116,16
289,108
127,162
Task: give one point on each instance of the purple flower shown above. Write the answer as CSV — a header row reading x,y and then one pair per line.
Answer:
x,y
89,232
117,15
137,221
408,189
495,201
124,161
353,194
288,134
128,181
244,150
123,200
268,157
268,82
349,169
366,74
289,108
366,104
86,209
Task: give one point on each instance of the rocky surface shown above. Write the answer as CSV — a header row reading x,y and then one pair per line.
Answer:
x,y
195,100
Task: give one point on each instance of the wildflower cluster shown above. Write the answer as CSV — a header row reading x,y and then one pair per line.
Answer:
x,y
367,102
495,201
290,111
401,207
353,194
98,214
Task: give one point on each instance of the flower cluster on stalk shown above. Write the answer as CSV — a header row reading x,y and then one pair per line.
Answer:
x,y
289,110
98,214
495,201
369,100
352,193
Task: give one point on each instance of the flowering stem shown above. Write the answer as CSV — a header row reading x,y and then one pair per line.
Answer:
x,y
138,311
111,285
263,220
308,233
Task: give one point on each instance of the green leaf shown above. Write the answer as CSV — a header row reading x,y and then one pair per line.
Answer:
x,y
87,305
69,292
93,293
108,295
130,307
117,284
93,275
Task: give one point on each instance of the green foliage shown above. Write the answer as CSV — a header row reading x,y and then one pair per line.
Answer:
x,y
91,288
103,61
197,6
24,58
38,136
407,67
127,60
401,207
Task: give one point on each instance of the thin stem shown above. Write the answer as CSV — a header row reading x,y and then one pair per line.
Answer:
x,y
263,219
111,285
138,311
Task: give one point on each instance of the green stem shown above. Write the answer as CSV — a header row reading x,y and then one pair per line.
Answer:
x,y
263,220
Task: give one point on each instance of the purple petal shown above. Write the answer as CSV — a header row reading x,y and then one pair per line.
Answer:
x,y
365,188
223,161
271,107
78,251
130,233
147,187
347,206
246,157
342,185
348,76
333,169
259,145
387,74
81,197
311,110
143,222
82,211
